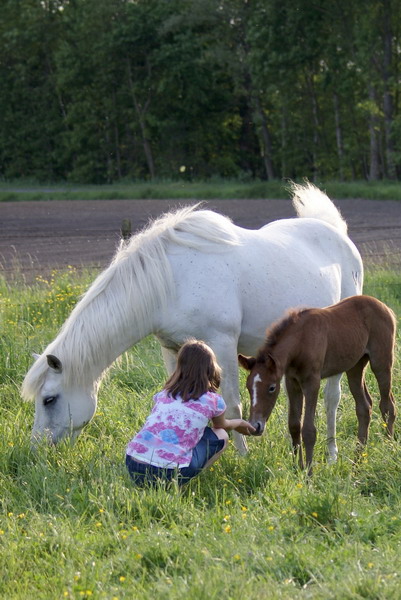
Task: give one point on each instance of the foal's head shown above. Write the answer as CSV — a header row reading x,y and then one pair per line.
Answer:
x,y
263,385
265,371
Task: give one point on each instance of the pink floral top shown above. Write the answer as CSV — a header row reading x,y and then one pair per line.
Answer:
x,y
173,429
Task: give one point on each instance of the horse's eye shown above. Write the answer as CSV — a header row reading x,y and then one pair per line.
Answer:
x,y
49,400
272,388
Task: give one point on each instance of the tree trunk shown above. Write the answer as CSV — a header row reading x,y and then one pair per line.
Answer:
x,y
373,135
141,112
266,137
316,126
387,96
283,141
339,136
116,138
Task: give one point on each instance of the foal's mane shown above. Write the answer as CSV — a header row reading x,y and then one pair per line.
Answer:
x,y
275,332
138,282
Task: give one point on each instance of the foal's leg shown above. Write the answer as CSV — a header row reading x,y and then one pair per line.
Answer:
x,y
363,402
295,407
332,393
311,391
387,404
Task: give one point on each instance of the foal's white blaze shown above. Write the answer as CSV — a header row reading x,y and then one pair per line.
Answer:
x,y
256,379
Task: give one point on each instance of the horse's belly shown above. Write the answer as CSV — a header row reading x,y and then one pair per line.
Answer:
x,y
286,280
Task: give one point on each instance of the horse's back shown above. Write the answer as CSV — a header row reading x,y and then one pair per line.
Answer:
x,y
372,311
364,322
245,287
382,319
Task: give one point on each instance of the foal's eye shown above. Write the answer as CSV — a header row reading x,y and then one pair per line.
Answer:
x,y
272,388
49,400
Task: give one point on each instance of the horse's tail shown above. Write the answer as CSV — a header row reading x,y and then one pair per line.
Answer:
x,y
311,202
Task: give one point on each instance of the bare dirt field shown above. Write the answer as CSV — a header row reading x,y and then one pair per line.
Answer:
x,y
37,237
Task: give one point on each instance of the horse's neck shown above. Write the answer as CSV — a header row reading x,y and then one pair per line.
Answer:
x,y
90,344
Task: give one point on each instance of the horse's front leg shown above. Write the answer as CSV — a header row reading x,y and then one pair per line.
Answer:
x,y
227,357
332,393
170,359
311,391
295,408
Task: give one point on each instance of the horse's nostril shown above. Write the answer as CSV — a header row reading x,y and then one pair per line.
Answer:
x,y
258,428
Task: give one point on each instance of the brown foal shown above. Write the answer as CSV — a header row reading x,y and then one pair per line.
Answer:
x,y
311,344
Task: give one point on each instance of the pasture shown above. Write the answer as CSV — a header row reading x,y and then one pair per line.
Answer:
x,y
73,526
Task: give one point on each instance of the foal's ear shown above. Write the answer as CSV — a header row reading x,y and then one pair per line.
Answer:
x,y
247,362
54,363
275,365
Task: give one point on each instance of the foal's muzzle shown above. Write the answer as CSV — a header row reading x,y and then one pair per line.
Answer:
x,y
259,428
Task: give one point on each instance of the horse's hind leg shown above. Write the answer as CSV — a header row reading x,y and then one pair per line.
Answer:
x,y
332,392
363,402
387,404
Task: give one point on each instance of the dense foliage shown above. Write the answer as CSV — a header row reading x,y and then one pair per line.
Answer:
x,y
100,90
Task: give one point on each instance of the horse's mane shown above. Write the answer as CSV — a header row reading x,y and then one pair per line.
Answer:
x,y
275,332
137,282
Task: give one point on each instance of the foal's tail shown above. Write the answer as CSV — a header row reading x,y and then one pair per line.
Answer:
x,y
311,202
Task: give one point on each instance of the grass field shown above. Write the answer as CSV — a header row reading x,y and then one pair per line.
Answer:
x,y
73,526
202,190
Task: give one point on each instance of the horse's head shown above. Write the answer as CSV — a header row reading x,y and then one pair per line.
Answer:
x,y
263,385
61,410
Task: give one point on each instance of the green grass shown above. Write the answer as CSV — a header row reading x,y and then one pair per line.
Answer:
x,y
73,526
202,190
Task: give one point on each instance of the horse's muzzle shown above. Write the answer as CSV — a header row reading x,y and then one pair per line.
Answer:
x,y
259,428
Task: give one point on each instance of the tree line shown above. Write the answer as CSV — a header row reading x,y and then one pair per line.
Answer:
x,y
101,90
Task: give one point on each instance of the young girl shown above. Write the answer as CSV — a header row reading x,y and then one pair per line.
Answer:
x,y
176,439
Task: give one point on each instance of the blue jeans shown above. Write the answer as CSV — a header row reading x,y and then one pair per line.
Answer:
x,y
208,446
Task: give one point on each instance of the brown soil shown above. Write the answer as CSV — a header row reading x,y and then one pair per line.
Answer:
x,y
37,237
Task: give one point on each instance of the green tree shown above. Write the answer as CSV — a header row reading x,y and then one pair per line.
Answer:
x,y
31,123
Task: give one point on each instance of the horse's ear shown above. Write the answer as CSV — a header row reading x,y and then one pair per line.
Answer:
x,y
35,356
247,362
54,363
274,363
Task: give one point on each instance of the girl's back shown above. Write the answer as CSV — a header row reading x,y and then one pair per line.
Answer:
x,y
173,428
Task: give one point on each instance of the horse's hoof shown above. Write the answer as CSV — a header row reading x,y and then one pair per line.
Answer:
x,y
332,458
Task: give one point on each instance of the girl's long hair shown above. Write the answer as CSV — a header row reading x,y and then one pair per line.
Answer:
x,y
197,372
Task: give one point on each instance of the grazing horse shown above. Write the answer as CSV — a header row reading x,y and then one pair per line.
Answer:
x,y
193,273
312,344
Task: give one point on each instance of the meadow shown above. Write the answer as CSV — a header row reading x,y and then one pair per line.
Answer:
x,y
185,188
73,526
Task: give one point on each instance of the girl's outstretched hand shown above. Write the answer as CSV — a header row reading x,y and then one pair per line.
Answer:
x,y
239,425
242,426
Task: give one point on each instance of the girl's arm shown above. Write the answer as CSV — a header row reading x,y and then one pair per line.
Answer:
x,y
239,425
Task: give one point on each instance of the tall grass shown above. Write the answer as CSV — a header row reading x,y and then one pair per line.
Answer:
x,y
184,189
73,526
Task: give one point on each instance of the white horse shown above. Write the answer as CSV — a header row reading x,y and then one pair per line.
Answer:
x,y
194,273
